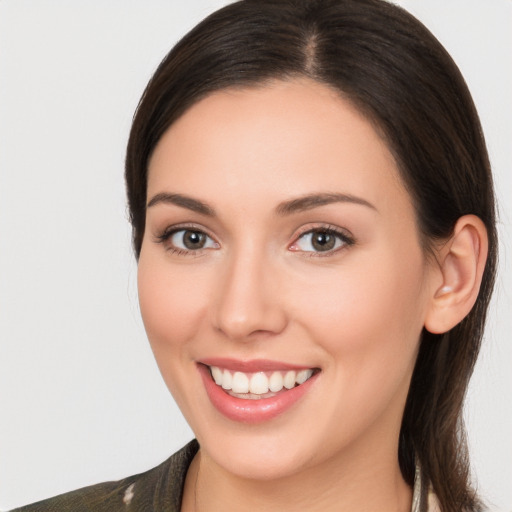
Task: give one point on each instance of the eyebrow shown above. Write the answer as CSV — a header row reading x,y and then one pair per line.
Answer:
x,y
311,201
184,201
300,204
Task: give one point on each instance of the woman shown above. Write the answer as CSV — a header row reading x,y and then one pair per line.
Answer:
x,y
313,216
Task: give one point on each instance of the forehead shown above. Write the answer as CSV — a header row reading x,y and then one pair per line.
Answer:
x,y
298,134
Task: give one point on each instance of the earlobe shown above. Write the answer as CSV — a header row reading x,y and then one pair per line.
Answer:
x,y
461,263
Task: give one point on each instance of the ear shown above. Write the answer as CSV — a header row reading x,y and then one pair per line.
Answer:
x,y
461,263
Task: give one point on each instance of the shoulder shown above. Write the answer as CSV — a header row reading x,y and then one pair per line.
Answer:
x,y
98,498
159,488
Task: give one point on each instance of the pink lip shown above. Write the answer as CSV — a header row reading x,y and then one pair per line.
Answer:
x,y
252,411
255,365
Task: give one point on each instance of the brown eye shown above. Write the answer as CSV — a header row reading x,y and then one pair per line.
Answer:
x,y
190,240
321,241
193,239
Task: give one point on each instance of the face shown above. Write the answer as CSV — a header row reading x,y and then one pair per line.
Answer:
x,y
281,279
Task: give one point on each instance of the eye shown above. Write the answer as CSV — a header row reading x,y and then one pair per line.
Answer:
x,y
187,240
321,240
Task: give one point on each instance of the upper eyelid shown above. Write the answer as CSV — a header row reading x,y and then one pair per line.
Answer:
x,y
187,226
343,232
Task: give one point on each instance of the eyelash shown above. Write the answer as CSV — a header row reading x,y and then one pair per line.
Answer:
x,y
347,240
163,237
341,235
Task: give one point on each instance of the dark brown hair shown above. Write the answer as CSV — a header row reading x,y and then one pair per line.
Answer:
x,y
397,74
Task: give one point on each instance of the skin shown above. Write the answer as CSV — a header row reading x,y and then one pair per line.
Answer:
x,y
258,290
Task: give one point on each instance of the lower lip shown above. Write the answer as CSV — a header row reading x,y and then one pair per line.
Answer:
x,y
252,411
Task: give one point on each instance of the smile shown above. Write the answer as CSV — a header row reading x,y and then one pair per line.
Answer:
x,y
258,385
257,391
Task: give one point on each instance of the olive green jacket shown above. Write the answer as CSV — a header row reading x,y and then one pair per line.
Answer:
x,y
160,490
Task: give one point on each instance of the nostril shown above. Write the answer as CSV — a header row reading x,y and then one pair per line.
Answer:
x,y
255,323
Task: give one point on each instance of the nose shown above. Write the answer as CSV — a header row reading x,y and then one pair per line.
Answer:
x,y
248,303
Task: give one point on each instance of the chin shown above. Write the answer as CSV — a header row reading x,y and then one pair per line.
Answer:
x,y
259,458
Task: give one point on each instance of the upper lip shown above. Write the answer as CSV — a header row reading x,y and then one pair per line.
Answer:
x,y
251,366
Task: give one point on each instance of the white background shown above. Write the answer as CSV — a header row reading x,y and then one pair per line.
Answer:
x,y
81,399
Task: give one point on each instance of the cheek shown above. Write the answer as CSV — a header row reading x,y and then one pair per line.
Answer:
x,y
172,303
369,317
369,325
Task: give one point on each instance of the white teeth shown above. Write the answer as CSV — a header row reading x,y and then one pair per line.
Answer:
x,y
217,375
259,383
289,379
240,383
275,382
303,376
226,379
